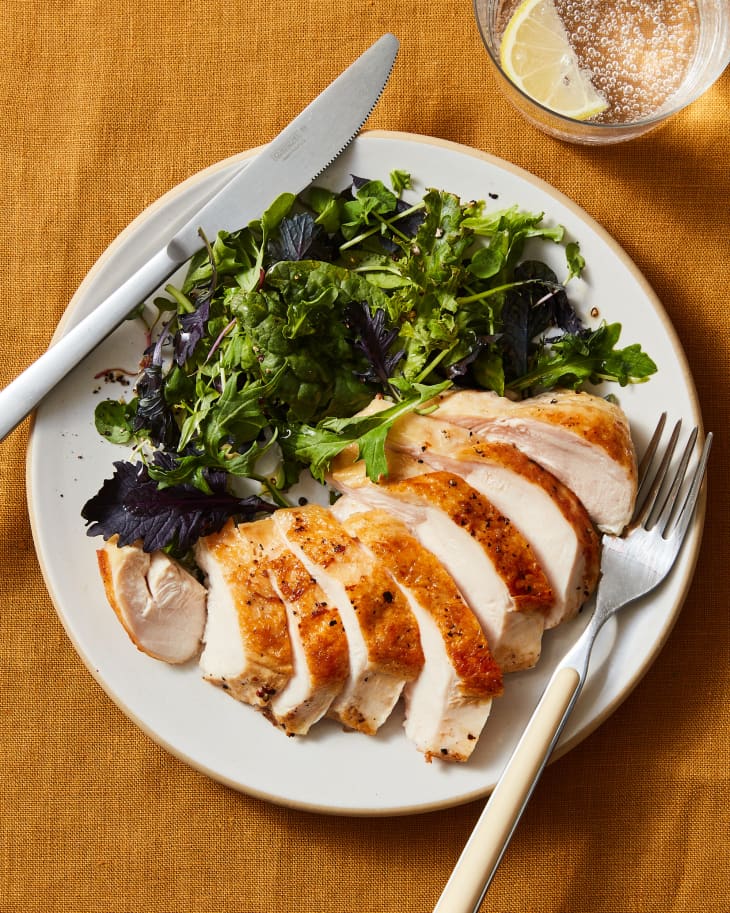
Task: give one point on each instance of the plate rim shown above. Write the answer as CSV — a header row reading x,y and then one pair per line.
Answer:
x,y
564,746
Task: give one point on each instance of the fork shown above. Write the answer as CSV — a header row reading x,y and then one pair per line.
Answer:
x,y
631,566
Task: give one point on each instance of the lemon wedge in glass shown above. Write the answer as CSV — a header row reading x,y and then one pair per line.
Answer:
x,y
536,56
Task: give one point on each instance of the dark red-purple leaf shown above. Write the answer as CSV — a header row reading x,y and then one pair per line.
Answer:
x,y
153,414
539,303
132,506
192,326
374,340
301,238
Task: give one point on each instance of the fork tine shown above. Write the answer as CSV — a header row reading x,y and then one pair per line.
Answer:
x,y
646,460
665,510
686,514
646,501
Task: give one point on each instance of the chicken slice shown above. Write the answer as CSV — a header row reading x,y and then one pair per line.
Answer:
x,y
548,514
160,605
582,439
490,560
247,648
449,703
382,633
319,644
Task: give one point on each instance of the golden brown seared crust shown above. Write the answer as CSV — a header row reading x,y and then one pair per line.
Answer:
x,y
570,505
386,620
593,418
261,614
507,548
351,718
464,446
320,626
422,573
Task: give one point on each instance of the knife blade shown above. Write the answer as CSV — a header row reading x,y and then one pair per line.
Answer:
x,y
290,162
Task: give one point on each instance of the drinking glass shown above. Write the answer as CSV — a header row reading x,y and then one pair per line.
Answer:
x,y
648,58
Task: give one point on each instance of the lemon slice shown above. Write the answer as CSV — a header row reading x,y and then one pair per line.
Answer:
x,y
537,57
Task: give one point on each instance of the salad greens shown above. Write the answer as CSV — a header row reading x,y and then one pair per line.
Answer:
x,y
283,331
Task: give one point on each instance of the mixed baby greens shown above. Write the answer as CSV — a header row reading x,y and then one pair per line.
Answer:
x,y
283,331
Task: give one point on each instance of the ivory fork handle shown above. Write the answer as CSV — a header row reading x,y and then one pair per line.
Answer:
x,y
483,852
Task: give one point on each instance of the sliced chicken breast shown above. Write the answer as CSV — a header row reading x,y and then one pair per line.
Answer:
x,y
247,648
382,632
582,439
160,605
319,643
449,703
548,514
490,560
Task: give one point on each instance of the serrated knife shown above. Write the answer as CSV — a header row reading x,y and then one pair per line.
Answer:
x,y
289,163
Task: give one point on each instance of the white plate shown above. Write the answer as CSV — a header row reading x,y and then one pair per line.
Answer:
x,y
330,770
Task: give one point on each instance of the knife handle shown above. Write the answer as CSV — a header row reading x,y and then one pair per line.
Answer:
x,y
24,393
483,852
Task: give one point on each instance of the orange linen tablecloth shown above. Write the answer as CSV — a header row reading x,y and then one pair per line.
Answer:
x,y
105,106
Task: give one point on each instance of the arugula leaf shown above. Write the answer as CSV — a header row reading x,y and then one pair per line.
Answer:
x,y
514,224
193,466
575,260
238,413
400,180
318,446
572,359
